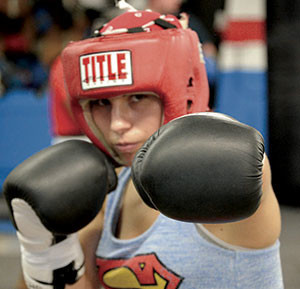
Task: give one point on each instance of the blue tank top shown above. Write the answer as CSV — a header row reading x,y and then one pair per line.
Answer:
x,y
172,254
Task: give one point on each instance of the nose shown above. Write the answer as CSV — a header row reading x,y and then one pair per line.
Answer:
x,y
120,116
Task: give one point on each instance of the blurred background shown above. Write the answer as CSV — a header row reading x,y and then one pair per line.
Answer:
x,y
251,50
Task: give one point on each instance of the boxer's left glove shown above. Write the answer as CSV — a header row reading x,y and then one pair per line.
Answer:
x,y
51,196
203,167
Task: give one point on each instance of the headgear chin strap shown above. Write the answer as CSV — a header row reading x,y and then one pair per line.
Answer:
x,y
136,52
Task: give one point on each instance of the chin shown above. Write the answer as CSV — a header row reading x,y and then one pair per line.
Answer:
x,y
127,159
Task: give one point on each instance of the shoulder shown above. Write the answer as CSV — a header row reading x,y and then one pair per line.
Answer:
x,y
260,230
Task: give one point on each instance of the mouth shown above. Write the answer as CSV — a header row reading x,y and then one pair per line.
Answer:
x,y
126,147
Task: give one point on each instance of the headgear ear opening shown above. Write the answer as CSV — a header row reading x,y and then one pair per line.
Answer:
x,y
189,104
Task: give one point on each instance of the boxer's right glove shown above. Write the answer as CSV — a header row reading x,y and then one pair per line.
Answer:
x,y
51,196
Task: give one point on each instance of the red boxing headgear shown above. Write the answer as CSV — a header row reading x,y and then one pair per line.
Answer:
x,y
136,52
62,122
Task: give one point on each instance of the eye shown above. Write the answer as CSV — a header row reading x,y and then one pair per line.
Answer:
x,y
100,102
103,102
137,97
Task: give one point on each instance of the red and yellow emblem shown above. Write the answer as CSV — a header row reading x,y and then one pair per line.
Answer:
x,y
139,272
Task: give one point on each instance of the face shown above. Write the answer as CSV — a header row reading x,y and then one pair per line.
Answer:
x,y
127,121
167,6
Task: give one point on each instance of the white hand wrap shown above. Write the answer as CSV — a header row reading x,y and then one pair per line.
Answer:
x,y
40,257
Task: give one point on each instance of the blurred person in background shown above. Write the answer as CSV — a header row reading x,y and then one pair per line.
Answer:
x,y
20,66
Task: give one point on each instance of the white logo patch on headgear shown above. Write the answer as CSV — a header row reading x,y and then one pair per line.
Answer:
x,y
105,69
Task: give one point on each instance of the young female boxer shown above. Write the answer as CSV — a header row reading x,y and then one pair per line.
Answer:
x,y
193,206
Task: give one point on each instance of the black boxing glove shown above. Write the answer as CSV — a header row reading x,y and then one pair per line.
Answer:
x,y
51,196
203,167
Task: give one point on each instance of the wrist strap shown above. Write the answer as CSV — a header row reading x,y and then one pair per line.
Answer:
x,y
60,264
61,277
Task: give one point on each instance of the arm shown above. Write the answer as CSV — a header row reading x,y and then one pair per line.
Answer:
x,y
217,174
89,238
261,229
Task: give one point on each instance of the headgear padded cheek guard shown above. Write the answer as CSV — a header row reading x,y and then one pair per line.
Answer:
x,y
163,59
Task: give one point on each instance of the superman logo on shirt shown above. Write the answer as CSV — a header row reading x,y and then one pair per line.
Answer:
x,y
139,272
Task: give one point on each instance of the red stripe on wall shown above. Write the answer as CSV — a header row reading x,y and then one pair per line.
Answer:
x,y
244,30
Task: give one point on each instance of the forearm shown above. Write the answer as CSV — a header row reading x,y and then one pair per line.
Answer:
x,y
261,229
89,239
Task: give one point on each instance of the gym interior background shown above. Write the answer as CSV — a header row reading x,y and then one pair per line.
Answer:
x,y
268,99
